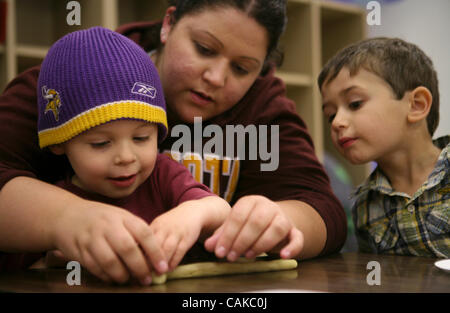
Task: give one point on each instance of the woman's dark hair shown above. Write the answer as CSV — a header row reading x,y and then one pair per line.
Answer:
x,y
271,14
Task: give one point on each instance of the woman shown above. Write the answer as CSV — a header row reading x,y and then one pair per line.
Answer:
x,y
214,59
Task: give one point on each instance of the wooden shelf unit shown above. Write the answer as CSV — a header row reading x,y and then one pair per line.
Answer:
x,y
316,30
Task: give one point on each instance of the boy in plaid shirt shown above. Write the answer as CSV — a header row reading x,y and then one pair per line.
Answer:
x,y
381,98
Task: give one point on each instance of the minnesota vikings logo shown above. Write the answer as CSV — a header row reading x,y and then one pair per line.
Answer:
x,y
54,101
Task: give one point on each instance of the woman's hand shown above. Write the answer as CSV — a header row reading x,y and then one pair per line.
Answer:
x,y
111,243
255,225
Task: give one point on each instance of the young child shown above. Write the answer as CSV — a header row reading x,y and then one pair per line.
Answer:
x,y
381,98
100,103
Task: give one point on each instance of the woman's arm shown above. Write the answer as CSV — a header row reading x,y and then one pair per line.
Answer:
x,y
28,207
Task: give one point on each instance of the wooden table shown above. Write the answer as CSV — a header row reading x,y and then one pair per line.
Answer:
x,y
345,272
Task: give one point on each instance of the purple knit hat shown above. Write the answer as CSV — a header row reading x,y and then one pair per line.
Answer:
x,y
94,76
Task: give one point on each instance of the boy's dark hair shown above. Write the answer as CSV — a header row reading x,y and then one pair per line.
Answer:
x,y
403,65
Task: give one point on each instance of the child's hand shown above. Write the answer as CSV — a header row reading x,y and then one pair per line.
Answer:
x,y
178,229
110,242
255,225
55,258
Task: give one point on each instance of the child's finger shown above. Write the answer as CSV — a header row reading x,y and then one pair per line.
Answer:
x,y
295,245
93,267
55,258
129,252
211,242
144,236
170,246
177,256
106,258
58,254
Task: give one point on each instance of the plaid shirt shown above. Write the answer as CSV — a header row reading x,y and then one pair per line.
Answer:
x,y
387,221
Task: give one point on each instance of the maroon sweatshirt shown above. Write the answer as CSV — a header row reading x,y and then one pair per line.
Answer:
x,y
299,175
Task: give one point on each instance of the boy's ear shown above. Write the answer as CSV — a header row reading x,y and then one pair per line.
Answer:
x,y
57,149
420,104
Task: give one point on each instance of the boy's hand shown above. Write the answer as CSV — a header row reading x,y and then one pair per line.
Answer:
x,y
178,229
255,225
109,242
55,258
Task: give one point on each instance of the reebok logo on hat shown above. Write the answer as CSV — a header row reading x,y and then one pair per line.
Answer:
x,y
144,90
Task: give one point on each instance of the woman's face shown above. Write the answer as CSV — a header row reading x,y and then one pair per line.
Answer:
x,y
209,61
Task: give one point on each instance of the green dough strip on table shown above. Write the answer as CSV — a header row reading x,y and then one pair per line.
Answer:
x,y
205,269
